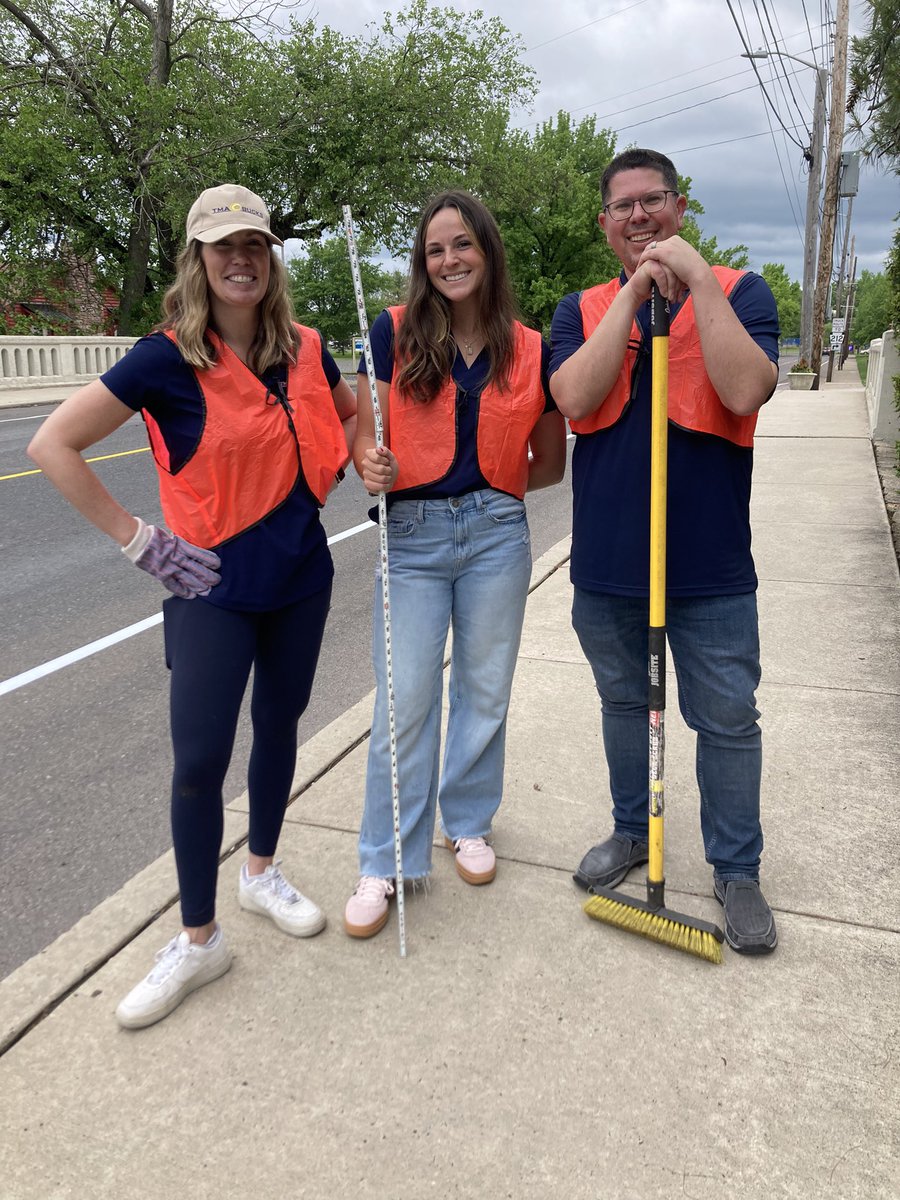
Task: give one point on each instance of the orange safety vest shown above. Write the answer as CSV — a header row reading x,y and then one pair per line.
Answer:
x,y
423,436
247,460
693,402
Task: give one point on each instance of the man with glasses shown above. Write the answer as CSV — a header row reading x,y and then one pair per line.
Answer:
x,y
723,358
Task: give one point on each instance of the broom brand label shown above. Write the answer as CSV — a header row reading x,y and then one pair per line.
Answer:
x,y
656,667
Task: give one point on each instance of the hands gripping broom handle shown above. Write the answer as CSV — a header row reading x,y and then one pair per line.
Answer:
x,y
659,332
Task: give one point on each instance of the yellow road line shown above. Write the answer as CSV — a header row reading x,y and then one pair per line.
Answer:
x,y
99,458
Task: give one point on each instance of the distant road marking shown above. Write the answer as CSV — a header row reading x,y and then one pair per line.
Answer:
x,y
99,458
9,420
111,639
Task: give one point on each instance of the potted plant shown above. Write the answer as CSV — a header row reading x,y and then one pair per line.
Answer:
x,y
801,376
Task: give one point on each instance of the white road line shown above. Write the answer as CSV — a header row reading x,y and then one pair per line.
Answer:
x,y
339,537
74,656
9,420
111,639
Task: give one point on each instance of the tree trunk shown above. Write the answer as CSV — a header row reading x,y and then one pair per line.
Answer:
x,y
135,278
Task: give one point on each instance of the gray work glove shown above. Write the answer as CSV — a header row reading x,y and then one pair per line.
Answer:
x,y
185,570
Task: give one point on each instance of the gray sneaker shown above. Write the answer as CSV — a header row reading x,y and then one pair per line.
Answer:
x,y
749,924
607,863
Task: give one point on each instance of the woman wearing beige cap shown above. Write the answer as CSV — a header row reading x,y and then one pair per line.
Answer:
x,y
249,422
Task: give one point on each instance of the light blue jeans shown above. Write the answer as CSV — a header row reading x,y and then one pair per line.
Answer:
x,y
714,645
466,563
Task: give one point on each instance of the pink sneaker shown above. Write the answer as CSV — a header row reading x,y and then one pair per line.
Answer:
x,y
367,909
475,860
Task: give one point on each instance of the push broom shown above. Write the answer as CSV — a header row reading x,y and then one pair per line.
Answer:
x,y
651,918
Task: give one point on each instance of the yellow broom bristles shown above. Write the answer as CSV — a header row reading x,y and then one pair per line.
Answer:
x,y
656,927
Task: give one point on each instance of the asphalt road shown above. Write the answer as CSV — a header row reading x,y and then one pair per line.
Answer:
x,y
85,758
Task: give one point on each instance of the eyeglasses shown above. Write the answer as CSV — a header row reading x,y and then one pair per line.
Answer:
x,y
621,210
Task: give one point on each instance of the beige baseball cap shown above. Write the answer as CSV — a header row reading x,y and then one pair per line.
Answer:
x,y
227,209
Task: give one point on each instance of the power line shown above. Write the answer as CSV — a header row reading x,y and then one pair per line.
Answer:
x,y
569,32
726,142
784,75
809,30
774,109
644,88
687,108
667,97
787,190
647,87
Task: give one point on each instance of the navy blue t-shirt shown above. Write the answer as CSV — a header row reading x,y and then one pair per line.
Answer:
x,y
282,558
465,474
708,523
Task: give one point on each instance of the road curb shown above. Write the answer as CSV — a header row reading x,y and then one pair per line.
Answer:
x,y
35,988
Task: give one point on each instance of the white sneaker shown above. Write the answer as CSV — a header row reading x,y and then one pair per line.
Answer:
x,y
270,895
180,968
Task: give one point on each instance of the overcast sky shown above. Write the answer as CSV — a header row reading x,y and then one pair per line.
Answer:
x,y
668,74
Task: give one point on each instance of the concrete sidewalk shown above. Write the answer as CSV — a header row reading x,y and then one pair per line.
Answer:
x,y
29,397
522,1050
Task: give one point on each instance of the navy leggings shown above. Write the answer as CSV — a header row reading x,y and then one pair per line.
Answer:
x,y
210,652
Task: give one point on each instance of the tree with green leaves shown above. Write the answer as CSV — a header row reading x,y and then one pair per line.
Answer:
x,y
114,116
873,103
544,189
871,308
322,288
788,295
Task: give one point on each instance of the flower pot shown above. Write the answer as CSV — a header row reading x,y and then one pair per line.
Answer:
x,y
801,381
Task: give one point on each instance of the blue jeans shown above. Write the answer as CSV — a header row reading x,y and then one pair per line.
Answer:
x,y
714,644
465,562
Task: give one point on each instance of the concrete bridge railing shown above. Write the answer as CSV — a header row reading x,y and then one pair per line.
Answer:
x,y
39,361
884,364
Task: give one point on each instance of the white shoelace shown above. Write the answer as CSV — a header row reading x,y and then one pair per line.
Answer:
x,y
371,889
276,882
168,959
471,845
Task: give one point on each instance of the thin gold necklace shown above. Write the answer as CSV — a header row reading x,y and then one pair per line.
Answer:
x,y
468,343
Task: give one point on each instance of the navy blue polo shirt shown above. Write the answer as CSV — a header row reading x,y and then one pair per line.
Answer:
x,y
465,473
708,522
282,558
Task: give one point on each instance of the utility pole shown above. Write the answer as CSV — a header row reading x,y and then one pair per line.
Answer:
x,y
812,215
849,186
851,306
838,293
814,157
832,173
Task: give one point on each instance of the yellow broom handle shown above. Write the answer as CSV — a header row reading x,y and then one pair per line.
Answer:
x,y
659,428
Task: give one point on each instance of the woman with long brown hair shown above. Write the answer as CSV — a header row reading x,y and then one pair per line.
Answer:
x,y
250,423
469,427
